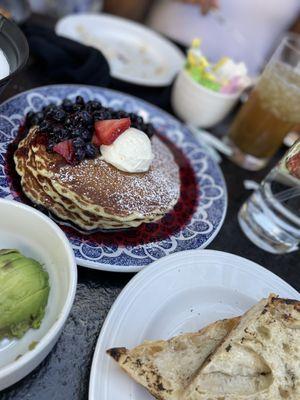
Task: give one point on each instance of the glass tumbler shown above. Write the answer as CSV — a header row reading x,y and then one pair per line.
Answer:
x,y
270,218
272,110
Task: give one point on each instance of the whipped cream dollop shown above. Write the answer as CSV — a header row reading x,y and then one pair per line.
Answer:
x,y
130,152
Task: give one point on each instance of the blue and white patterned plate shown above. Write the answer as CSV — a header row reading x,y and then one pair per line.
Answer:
x,y
208,214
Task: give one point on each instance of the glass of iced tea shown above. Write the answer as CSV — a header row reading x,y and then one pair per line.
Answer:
x,y
272,110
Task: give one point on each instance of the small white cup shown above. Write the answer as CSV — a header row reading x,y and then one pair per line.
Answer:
x,y
197,105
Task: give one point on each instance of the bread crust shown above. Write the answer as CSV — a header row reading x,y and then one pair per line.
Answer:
x,y
253,357
258,360
165,368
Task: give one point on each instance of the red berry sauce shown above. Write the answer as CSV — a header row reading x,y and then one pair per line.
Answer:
x,y
172,223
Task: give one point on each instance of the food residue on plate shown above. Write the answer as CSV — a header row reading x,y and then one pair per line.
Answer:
x,y
126,57
32,345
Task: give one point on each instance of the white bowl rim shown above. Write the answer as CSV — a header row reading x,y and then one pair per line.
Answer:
x,y
211,92
60,321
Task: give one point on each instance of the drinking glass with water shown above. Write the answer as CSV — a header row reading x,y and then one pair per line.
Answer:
x,y
271,216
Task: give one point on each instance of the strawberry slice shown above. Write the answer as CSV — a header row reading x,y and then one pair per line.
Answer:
x,y
108,130
66,150
293,165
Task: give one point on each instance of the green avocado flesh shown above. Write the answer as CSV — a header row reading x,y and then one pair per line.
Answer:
x,y
24,291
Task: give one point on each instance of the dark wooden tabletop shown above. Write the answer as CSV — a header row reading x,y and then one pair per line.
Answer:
x,y
64,374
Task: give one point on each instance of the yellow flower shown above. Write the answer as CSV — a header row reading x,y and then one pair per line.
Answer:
x,y
196,42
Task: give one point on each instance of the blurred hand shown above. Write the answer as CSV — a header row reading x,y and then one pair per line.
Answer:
x,y
205,5
5,13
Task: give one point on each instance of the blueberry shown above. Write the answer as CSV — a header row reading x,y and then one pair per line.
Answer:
x,y
56,129
59,115
79,143
76,132
86,118
28,119
52,110
121,114
96,105
45,126
89,107
79,100
90,150
50,145
49,107
68,122
29,115
149,130
40,115
80,153
67,105
110,112
36,118
98,115
62,135
79,148
133,117
77,122
114,115
86,135
70,131
77,107
138,123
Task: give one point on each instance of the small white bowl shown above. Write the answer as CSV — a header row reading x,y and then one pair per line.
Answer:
x,y
36,236
196,105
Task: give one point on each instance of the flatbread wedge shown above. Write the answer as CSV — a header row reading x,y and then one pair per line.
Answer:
x,y
165,368
259,359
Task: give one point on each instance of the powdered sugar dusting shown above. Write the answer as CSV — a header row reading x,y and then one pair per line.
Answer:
x,y
153,192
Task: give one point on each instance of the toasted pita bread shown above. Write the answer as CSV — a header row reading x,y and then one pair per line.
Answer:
x,y
259,359
165,368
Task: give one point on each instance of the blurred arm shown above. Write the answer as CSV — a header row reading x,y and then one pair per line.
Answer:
x,y
296,26
132,9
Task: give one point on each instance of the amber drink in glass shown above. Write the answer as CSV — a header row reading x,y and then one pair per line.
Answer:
x,y
272,110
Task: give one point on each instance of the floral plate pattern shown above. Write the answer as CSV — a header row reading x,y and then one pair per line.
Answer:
x,y
199,230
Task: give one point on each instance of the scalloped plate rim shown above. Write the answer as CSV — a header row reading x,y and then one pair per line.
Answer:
x,y
122,267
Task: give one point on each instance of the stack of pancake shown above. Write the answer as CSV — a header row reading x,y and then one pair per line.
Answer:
x,y
93,194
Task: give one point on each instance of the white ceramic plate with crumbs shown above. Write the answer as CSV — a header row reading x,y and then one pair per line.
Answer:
x,y
179,293
135,53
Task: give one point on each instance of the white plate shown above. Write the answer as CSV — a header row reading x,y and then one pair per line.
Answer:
x,y
135,53
179,293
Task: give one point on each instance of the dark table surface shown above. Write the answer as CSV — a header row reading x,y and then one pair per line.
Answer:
x,y
64,374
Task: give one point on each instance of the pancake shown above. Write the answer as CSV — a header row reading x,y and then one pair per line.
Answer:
x,y
37,190
94,194
34,187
